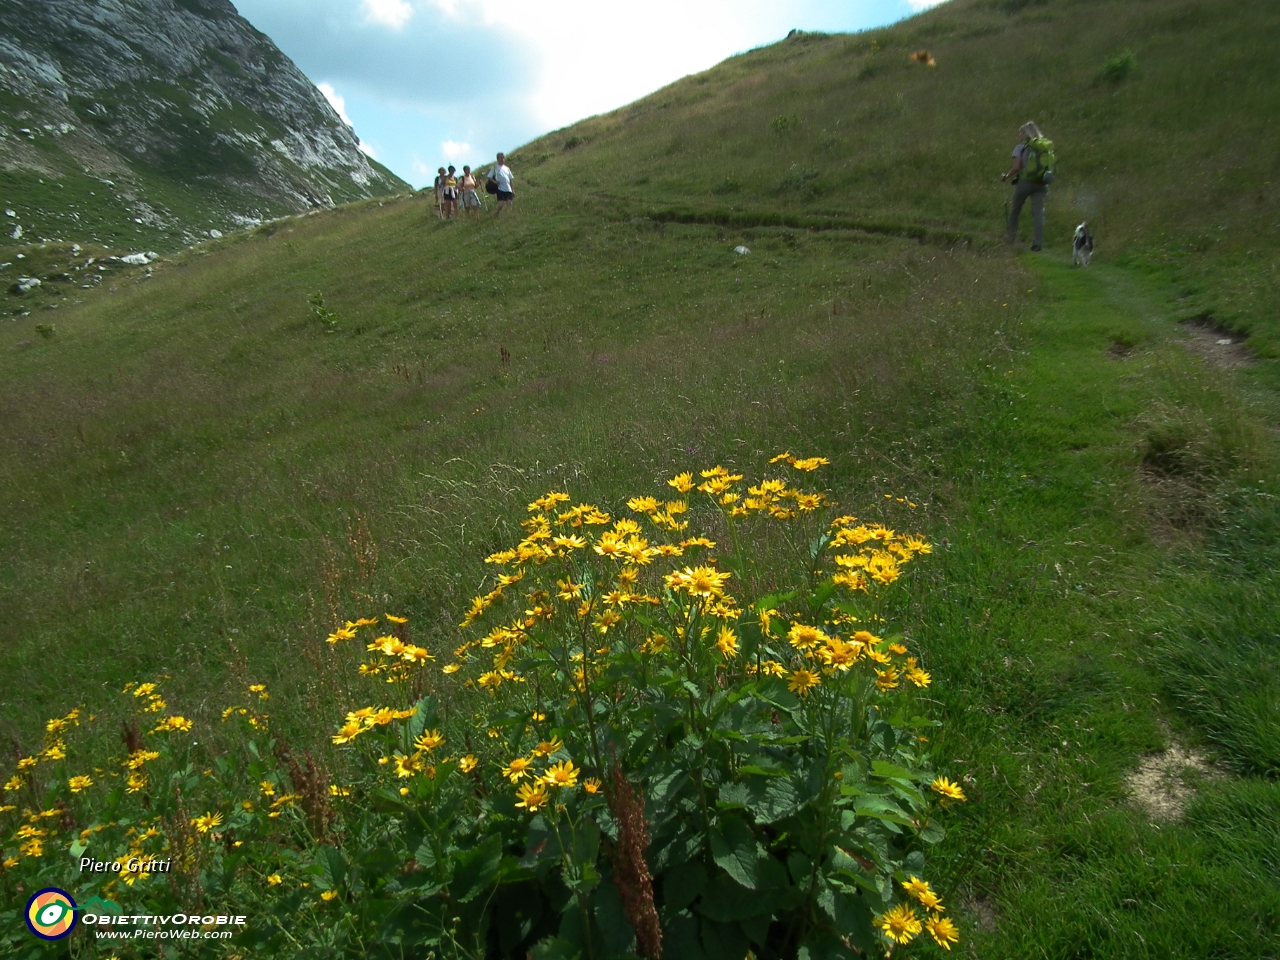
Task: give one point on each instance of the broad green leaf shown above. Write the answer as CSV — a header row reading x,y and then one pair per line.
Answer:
x,y
769,799
891,771
476,869
682,884
734,849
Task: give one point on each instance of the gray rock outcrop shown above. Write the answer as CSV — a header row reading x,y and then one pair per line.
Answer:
x,y
188,114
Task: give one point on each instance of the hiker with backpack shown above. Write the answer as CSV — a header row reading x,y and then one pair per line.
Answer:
x,y
1032,172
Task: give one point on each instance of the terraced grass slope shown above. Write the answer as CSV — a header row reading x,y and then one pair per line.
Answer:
x,y
202,470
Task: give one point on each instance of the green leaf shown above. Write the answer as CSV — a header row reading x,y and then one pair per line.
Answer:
x,y
769,799
682,884
334,866
554,948
476,869
424,718
891,771
735,851
822,944
933,832
800,867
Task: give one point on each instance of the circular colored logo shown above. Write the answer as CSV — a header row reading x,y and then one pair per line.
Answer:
x,y
51,914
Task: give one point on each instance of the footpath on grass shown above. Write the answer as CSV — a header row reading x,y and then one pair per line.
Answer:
x,y
1105,614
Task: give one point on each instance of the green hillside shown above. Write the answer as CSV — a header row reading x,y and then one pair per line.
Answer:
x,y
204,469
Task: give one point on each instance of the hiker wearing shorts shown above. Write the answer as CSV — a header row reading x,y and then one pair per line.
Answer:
x,y
450,193
504,178
470,199
1024,187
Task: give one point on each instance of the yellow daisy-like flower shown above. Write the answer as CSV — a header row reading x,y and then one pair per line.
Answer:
x,y
949,790
804,637
275,880
533,796
181,724
943,931
27,763
727,643
592,785
329,895
337,791
802,681
899,924
407,766
79,783
922,892
467,763
886,679
683,482
839,655
13,783
547,747
810,464
562,774
451,668
348,732
919,677
517,768
207,822
429,740
701,581
394,619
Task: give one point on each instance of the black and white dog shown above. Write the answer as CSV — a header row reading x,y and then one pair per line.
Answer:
x,y
1082,245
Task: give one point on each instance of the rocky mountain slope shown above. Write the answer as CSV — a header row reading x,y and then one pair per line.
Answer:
x,y
156,121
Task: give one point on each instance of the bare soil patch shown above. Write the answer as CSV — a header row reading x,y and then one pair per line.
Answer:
x,y
1164,782
1219,345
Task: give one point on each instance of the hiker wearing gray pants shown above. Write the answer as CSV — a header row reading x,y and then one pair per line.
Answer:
x,y
1037,192
1030,179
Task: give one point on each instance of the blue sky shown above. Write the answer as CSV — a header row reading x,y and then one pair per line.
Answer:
x,y
429,82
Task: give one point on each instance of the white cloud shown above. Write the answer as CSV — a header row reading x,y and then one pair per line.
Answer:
x,y
337,101
918,5
392,13
577,75
368,150
427,174
453,150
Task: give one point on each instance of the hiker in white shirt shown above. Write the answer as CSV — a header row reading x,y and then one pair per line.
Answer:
x,y
503,176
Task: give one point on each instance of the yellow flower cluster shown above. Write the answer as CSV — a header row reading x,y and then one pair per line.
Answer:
x,y
401,656
137,852
879,552
561,775
365,719
55,748
901,925
155,703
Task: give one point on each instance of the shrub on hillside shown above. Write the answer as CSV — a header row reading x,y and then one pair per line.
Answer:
x,y
652,743
1119,67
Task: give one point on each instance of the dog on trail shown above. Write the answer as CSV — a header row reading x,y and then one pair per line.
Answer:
x,y
1082,245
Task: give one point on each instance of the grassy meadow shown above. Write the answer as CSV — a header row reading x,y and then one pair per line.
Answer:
x,y
199,477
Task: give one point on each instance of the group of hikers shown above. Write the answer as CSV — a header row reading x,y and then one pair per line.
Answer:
x,y
1031,173
453,191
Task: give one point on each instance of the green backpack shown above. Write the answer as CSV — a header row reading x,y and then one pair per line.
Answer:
x,y
1040,160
